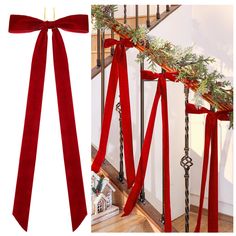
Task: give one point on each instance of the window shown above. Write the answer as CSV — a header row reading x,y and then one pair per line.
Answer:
x,y
99,206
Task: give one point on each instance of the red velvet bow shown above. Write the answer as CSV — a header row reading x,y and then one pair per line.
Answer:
x,y
123,42
24,24
118,71
161,91
211,136
149,75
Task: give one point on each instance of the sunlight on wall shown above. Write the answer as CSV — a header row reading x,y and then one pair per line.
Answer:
x,y
225,146
197,132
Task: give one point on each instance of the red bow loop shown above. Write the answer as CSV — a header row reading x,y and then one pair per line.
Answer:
x,y
171,76
223,115
149,75
220,115
111,42
74,23
191,108
26,24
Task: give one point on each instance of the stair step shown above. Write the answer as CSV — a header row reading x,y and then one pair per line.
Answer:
x,y
179,223
131,223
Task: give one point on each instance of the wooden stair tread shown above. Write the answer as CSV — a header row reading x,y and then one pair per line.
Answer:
x,y
224,226
131,223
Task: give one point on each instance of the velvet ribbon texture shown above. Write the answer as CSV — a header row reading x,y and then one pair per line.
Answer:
x,y
118,73
161,92
26,24
211,141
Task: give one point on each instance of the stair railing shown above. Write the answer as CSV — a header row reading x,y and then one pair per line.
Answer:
x,y
186,161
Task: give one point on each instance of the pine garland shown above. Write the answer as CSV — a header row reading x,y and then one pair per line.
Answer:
x,y
190,66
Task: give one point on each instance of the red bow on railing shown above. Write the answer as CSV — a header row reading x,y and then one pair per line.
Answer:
x,y
161,91
211,139
24,24
118,72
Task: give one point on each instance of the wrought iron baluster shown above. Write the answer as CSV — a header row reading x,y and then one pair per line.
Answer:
x,y
158,16
162,220
118,109
112,36
102,73
186,162
136,16
98,48
125,14
121,171
142,193
148,17
167,8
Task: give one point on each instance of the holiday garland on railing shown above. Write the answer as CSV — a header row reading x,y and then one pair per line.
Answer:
x,y
193,69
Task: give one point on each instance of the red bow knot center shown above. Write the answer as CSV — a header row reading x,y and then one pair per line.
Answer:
x,y
49,24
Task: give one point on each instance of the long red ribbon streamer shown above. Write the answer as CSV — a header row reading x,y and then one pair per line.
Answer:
x,y
161,91
211,140
25,24
118,72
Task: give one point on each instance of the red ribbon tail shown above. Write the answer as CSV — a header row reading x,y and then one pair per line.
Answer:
x,y
213,183
132,198
108,109
126,119
22,222
68,132
30,135
208,131
142,166
97,163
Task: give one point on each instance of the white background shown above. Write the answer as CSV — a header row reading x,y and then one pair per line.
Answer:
x,y
49,213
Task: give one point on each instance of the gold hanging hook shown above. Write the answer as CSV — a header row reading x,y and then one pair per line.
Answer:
x,y
54,13
45,14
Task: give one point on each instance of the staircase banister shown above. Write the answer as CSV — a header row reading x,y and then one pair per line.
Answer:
x,y
193,85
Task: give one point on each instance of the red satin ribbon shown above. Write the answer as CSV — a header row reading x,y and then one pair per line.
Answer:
x,y
25,24
211,139
118,72
161,91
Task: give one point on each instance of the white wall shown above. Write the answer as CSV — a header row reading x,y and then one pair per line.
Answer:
x,y
179,29
212,33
